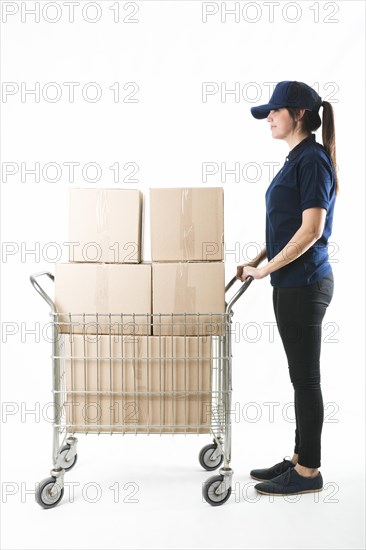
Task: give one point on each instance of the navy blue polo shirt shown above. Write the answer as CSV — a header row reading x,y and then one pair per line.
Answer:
x,y
306,180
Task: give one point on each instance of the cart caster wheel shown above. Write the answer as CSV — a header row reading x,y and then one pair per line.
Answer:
x,y
209,488
66,464
44,497
205,455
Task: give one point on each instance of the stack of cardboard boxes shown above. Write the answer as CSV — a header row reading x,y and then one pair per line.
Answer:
x,y
138,357
187,234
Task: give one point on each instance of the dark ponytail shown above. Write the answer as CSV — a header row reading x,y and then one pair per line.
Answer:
x,y
328,136
311,121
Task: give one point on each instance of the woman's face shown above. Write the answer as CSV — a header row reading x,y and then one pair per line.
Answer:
x,y
281,124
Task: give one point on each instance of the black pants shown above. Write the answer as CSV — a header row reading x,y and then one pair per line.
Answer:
x,y
299,313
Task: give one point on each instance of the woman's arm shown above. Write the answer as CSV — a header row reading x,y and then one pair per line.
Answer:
x,y
253,263
311,229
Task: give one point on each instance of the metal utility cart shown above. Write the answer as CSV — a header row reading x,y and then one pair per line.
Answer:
x,y
107,379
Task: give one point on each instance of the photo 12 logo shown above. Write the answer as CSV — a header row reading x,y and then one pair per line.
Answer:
x,y
69,12
254,92
68,172
269,12
69,92
90,492
247,172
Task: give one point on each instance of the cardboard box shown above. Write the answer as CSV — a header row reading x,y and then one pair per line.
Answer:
x,y
105,225
109,381
118,289
193,294
139,384
188,376
116,363
187,224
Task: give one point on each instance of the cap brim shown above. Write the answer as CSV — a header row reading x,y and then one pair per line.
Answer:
x,y
262,111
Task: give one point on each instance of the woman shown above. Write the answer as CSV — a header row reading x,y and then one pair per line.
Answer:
x,y
299,215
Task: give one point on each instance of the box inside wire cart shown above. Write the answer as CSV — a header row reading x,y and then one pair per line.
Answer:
x,y
114,383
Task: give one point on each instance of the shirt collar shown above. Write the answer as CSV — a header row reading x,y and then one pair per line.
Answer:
x,y
300,146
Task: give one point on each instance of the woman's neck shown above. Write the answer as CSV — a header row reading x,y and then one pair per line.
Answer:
x,y
294,139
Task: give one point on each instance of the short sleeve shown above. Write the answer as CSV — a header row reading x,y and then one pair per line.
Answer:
x,y
315,184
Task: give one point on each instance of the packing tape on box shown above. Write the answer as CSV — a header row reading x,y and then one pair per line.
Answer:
x,y
101,292
187,230
102,214
184,294
213,250
133,350
215,247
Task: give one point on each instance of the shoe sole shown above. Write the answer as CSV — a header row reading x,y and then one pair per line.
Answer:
x,y
289,494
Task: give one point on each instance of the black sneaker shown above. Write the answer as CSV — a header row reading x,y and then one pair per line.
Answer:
x,y
290,483
269,473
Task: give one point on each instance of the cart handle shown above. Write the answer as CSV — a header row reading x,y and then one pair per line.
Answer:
x,y
239,293
40,290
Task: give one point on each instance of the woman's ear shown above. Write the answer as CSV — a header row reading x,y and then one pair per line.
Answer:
x,y
300,114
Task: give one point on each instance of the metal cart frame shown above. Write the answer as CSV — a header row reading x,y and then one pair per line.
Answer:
x,y
217,489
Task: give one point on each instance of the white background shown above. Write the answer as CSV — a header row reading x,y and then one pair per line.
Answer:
x,y
169,133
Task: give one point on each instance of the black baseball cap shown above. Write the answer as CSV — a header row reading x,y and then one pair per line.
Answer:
x,y
289,94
